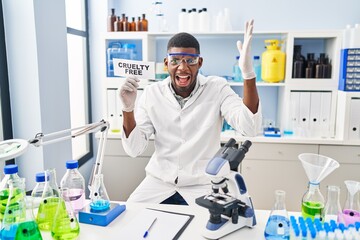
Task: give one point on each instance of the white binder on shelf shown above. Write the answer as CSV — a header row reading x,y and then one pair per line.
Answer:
x,y
294,111
354,119
315,112
325,114
304,114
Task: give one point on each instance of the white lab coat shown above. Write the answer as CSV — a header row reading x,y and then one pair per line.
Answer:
x,y
185,138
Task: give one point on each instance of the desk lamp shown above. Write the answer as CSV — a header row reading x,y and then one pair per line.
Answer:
x,y
100,211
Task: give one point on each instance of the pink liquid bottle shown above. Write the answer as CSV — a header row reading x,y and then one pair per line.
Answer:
x,y
351,210
73,186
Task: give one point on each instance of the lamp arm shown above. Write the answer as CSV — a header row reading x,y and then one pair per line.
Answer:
x,y
102,126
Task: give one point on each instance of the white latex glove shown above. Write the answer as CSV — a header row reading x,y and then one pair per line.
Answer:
x,y
245,61
128,92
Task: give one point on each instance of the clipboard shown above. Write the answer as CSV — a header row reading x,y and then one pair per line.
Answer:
x,y
191,217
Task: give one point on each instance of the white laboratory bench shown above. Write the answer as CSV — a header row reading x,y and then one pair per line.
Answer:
x,y
193,230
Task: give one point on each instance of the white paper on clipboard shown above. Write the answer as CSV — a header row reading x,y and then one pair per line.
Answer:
x,y
167,225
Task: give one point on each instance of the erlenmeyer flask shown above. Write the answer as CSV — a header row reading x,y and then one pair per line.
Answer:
x,y
65,225
49,202
99,198
351,211
332,210
316,167
15,210
278,224
28,229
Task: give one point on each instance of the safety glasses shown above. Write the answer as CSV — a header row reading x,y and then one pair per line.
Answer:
x,y
176,59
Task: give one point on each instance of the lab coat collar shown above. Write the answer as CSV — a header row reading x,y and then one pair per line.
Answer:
x,y
170,96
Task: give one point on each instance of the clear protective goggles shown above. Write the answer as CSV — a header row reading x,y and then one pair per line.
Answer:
x,y
190,59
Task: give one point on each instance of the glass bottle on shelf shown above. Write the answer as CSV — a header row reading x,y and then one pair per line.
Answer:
x,y
144,23
132,25
111,20
139,25
311,65
298,63
278,224
117,25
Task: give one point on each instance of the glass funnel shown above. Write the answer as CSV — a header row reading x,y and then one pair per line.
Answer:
x,y
99,198
316,167
53,181
278,224
65,225
351,211
332,210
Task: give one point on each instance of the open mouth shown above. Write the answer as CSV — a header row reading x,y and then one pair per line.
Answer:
x,y
183,80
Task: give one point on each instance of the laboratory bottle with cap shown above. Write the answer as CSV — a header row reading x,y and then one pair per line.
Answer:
x,y
74,183
42,190
11,173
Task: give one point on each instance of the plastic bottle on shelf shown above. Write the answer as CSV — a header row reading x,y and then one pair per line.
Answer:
x,y
347,32
111,20
74,182
257,68
204,25
183,20
193,20
273,62
355,36
236,70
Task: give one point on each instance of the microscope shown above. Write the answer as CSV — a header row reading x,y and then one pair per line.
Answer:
x,y
229,204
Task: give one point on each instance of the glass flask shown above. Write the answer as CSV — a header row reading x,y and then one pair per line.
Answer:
x,y
28,229
332,210
15,210
316,167
49,202
65,225
351,210
99,198
278,224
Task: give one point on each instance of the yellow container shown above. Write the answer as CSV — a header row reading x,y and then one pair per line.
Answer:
x,y
273,62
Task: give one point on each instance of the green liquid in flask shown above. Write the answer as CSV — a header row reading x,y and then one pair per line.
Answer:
x,y
65,229
46,213
28,230
312,210
4,195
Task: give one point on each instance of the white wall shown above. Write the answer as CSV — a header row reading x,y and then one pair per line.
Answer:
x,y
35,34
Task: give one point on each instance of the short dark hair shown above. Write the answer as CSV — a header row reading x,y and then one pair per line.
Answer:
x,y
184,40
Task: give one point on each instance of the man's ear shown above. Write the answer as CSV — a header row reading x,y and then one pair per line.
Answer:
x,y
200,62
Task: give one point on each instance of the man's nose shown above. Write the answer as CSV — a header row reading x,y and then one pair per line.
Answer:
x,y
183,64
